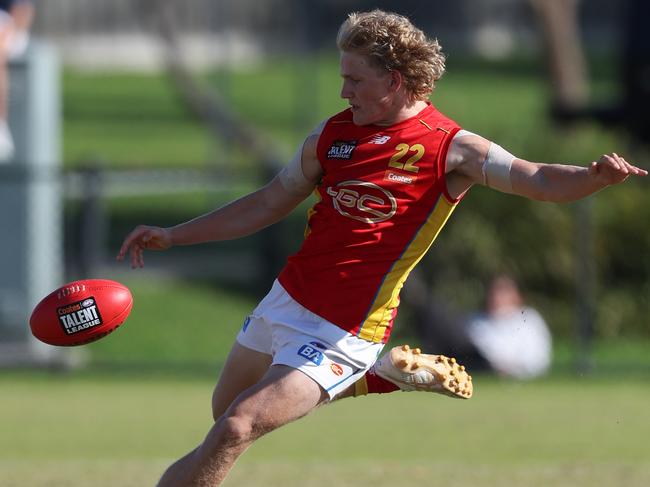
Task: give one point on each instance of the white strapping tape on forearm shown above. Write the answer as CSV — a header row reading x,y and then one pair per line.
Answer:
x,y
292,177
496,168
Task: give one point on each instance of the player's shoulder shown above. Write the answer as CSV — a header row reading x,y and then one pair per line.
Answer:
x,y
342,117
435,118
313,136
467,148
467,139
341,121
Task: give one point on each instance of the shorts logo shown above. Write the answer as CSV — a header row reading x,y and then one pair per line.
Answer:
x,y
363,201
341,149
247,322
336,369
311,353
79,316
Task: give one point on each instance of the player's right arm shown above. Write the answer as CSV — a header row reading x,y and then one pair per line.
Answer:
x,y
239,218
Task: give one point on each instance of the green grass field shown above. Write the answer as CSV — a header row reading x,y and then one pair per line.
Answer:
x,y
144,400
74,432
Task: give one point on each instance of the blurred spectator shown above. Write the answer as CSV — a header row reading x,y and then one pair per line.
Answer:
x,y
507,337
511,337
15,21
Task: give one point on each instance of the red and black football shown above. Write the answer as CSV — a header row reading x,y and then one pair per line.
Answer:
x,y
81,312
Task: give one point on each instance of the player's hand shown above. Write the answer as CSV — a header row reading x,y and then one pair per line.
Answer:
x,y
141,238
613,169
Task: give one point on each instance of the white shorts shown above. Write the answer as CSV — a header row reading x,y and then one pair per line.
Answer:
x,y
296,337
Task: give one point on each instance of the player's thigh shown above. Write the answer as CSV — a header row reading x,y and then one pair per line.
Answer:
x,y
243,368
283,395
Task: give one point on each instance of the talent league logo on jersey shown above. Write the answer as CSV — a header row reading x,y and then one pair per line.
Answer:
x,y
379,139
79,316
363,201
341,149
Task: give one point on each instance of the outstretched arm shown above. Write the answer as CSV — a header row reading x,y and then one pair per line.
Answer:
x,y
561,183
475,160
239,218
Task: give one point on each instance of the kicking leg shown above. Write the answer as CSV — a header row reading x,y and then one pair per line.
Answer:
x,y
406,369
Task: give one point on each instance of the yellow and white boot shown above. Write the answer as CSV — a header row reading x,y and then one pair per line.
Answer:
x,y
411,370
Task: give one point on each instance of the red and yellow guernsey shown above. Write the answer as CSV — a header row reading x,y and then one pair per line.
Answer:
x,y
381,203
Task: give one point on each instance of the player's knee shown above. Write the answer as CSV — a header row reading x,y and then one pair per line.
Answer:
x,y
221,406
237,429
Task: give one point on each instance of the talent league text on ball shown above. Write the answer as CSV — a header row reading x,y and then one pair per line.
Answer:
x,y
79,316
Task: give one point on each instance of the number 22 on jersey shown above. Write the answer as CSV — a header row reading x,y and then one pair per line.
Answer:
x,y
406,156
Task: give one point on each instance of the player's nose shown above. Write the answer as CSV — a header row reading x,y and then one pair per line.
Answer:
x,y
346,92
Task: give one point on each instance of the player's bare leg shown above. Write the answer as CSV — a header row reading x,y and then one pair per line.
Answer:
x,y
407,369
243,368
402,368
282,396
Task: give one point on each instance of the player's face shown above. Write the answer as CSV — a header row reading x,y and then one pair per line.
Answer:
x,y
367,88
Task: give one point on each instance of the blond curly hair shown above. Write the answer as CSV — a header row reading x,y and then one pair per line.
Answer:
x,y
393,43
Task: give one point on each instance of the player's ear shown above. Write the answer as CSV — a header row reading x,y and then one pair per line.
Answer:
x,y
396,79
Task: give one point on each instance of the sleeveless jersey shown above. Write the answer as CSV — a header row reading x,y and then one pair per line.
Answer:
x,y
382,201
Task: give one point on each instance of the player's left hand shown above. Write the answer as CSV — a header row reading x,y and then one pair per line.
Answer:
x,y
613,169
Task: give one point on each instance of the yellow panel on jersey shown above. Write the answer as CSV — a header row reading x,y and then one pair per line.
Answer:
x,y
385,304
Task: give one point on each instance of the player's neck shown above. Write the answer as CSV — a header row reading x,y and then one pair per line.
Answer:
x,y
404,112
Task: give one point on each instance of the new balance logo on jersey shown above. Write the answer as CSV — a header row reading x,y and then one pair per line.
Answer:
x,y
341,149
379,139
311,354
